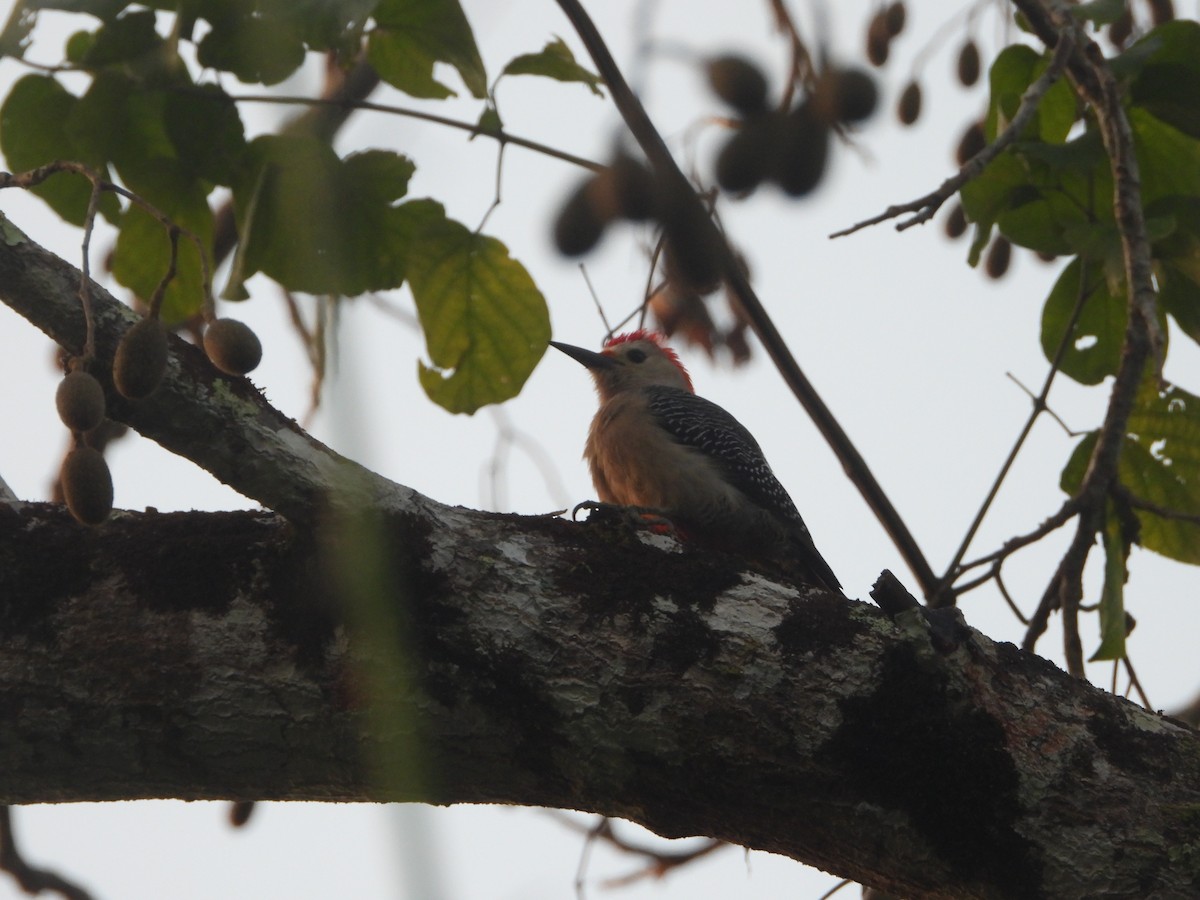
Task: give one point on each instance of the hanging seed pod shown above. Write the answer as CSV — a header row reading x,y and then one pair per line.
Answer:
x,y
739,82
855,95
908,110
141,359
579,226
972,141
999,255
748,157
80,401
895,17
956,222
1161,11
968,64
629,187
232,346
87,485
879,40
803,152
1120,30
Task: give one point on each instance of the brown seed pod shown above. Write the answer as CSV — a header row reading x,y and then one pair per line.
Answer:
x,y
579,225
87,485
80,401
1120,30
854,94
803,152
739,82
972,141
1044,256
999,255
879,40
968,63
895,17
908,110
232,346
748,157
141,359
1161,11
956,222
624,190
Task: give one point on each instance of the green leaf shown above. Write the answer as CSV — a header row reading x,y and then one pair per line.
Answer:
x,y
1013,71
1093,349
486,324
411,35
14,39
1165,71
556,61
1112,596
1101,12
1168,160
256,50
205,132
143,251
127,37
316,223
1160,463
33,133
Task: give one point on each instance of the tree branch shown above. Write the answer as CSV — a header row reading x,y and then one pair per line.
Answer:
x,y
199,655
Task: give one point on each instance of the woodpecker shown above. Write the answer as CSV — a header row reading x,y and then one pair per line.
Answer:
x,y
655,444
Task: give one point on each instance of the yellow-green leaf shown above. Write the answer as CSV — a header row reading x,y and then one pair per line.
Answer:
x,y
486,324
556,61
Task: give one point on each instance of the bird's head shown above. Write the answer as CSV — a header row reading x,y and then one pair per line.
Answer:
x,y
629,361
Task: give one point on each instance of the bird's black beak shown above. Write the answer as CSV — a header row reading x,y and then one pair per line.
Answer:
x,y
589,358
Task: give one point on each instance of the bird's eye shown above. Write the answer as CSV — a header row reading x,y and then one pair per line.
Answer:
x,y
636,356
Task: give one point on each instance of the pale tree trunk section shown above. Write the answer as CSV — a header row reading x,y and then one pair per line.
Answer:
x,y
201,655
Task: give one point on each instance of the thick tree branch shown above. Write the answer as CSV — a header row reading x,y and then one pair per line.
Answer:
x,y
199,656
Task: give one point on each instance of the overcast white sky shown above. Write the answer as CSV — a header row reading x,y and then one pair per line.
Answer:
x,y
909,347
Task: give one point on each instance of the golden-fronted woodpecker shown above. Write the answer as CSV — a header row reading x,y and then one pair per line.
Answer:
x,y
655,444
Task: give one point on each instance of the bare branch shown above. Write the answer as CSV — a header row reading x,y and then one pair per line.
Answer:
x,y
925,207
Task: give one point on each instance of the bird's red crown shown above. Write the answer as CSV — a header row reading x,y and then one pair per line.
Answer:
x,y
656,338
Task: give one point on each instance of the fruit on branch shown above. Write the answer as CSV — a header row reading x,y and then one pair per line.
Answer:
x,y
232,346
141,359
80,401
738,82
87,485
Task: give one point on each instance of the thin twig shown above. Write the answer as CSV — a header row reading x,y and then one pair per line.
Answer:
x,y
499,134
34,177
925,207
1070,432
1137,685
32,880
85,277
945,596
674,180
1148,506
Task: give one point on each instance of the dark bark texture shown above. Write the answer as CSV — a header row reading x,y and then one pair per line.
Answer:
x,y
201,655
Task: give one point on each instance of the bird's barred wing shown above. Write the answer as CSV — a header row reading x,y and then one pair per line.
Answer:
x,y
696,422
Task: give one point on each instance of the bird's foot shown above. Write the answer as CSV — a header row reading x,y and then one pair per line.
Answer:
x,y
638,516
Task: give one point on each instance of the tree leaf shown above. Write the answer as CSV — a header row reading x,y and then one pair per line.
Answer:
x,y
319,224
256,50
1165,70
1094,349
556,61
33,132
143,250
411,35
1112,595
1160,463
486,324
